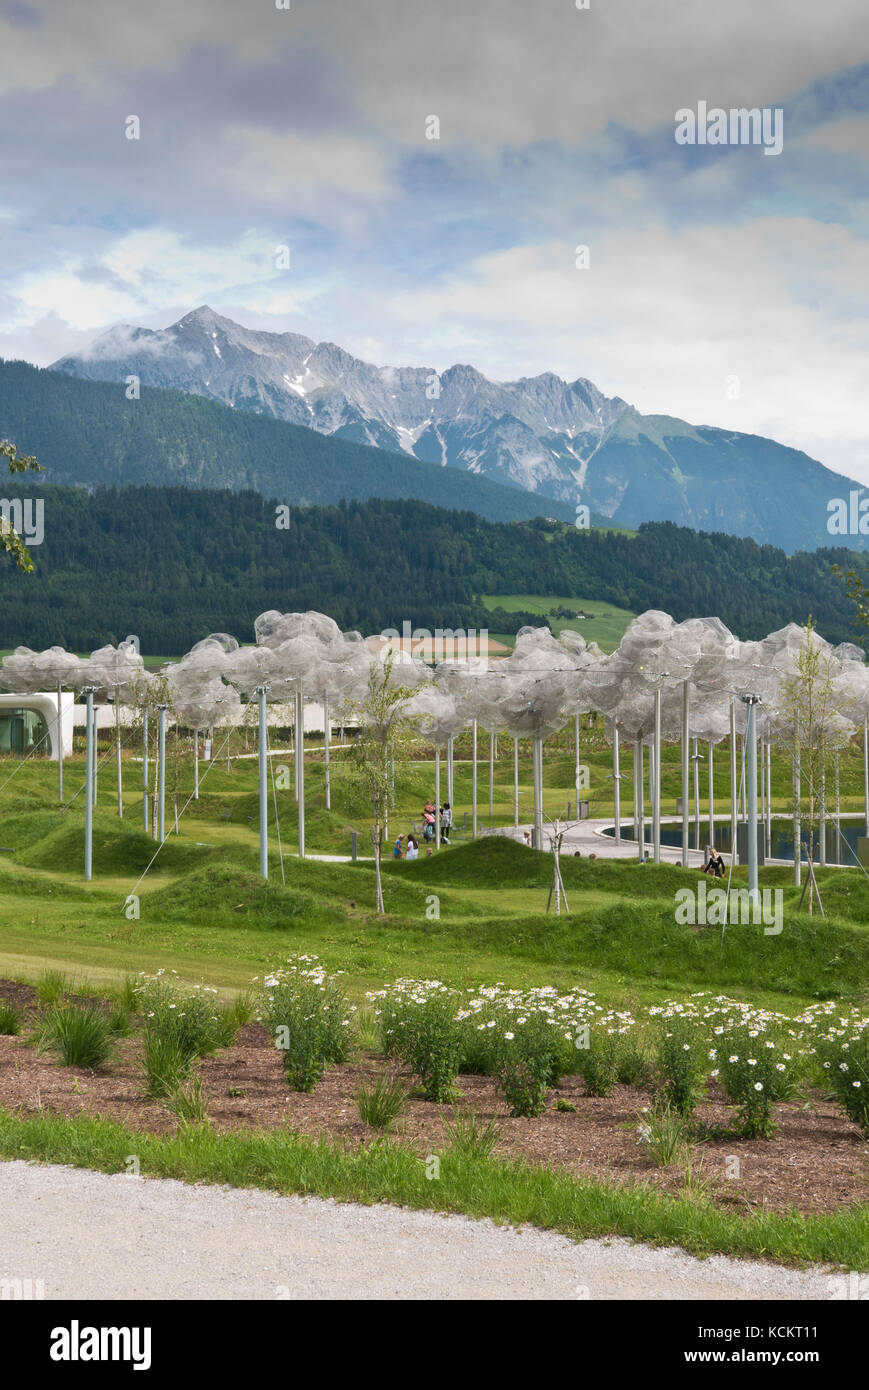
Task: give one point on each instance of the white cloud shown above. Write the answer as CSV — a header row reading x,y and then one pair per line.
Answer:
x,y
846,137
666,320
279,165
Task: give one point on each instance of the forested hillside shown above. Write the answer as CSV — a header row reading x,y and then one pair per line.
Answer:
x,y
89,434
172,564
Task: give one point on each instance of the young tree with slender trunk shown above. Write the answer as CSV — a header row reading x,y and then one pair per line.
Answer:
x,y
386,732
807,719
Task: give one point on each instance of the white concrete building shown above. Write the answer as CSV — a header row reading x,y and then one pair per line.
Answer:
x,y
28,723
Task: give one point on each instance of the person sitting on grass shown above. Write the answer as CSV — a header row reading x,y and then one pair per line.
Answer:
x,y
714,863
398,847
412,848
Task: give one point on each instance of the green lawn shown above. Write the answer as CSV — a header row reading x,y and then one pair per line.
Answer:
x,y
474,913
606,625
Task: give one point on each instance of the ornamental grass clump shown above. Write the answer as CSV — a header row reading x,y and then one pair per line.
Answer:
x,y
309,1018
844,1058
10,1023
664,1133
79,1033
471,1136
755,1070
380,1103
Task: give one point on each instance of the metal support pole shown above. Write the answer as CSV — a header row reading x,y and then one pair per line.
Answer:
x,y
491,772
686,764
145,808
837,856
822,846
577,773
474,782
538,792
656,790
641,808
59,745
263,786
88,793
437,796
195,764
751,754
634,784
516,784
769,798
119,768
617,790
734,790
696,796
866,773
711,798
161,778
450,770
296,745
798,855
300,768
327,731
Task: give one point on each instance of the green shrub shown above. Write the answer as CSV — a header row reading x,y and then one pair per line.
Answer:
x,y
188,1016
432,1046
309,1018
634,1066
79,1033
756,1071
10,1023
845,1063
683,1060
524,1063
598,1063
381,1103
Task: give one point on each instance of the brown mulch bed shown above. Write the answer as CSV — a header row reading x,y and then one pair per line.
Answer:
x,y
818,1161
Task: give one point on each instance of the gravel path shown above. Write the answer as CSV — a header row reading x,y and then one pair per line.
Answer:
x,y
91,1235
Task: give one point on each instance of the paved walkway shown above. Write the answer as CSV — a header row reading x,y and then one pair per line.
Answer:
x,y
588,837
90,1235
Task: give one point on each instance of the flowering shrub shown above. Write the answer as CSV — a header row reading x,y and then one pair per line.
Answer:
x,y
683,1062
181,1024
599,1063
419,1024
756,1071
442,1031
525,1062
844,1057
309,1017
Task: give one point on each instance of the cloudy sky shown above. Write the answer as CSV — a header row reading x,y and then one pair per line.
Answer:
x,y
724,286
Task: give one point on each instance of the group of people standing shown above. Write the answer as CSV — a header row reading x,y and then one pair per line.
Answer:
x,y
410,849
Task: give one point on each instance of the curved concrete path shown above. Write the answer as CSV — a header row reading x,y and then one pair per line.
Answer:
x,y
89,1235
